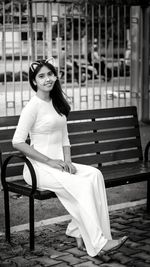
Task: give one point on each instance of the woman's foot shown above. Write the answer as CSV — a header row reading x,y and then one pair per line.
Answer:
x,y
80,244
112,245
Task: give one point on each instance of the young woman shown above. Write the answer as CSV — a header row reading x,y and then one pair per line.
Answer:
x,y
80,188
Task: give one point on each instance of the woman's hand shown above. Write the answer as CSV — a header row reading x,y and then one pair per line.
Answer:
x,y
71,168
62,165
57,164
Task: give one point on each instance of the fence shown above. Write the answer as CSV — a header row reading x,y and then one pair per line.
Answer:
x,y
97,49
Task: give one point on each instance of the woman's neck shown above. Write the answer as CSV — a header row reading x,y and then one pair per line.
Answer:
x,y
45,97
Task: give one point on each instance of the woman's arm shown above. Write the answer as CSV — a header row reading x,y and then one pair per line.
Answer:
x,y
26,122
69,167
67,159
67,153
32,153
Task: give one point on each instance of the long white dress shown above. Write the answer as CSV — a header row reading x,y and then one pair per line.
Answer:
x,y
83,194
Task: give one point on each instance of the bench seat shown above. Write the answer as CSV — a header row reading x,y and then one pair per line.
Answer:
x,y
22,188
120,174
126,173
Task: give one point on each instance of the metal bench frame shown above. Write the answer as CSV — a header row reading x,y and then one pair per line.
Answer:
x,y
108,139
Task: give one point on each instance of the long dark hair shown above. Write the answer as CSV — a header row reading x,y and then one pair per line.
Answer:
x,y
59,101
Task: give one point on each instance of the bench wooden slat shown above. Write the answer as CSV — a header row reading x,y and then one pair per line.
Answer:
x,y
102,124
6,146
102,136
14,159
6,134
105,146
103,113
107,158
120,174
21,187
8,121
13,170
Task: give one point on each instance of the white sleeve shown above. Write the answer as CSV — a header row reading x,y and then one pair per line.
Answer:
x,y
65,138
26,121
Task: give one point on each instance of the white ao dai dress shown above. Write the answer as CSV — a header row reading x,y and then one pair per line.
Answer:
x,y
83,194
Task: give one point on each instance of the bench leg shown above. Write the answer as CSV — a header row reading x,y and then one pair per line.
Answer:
x,y
7,215
31,218
148,195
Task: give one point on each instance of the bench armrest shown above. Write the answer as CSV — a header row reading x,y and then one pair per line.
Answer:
x,y
31,169
146,152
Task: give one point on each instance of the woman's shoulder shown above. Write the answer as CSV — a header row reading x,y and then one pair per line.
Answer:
x,y
32,102
32,105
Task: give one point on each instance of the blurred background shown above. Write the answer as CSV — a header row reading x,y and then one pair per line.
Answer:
x,y
101,51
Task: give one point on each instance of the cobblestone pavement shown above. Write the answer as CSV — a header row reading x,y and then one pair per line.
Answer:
x,y
54,248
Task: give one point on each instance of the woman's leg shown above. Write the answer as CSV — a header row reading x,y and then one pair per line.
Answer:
x,y
73,230
84,196
88,206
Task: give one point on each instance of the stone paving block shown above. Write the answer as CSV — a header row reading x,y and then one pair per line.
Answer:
x,y
86,264
46,261
106,258
53,253
75,251
147,234
70,259
30,257
140,225
96,260
62,264
62,247
114,231
121,220
147,240
140,264
20,261
131,244
18,251
38,251
33,263
143,256
135,238
61,237
121,258
136,231
7,263
5,255
130,250
113,264
146,248
119,226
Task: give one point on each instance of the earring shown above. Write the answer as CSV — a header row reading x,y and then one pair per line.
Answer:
x,y
34,82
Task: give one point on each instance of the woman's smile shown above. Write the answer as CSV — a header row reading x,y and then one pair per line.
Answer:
x,y
45,79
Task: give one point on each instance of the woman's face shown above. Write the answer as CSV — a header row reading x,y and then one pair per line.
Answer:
x,y
45,79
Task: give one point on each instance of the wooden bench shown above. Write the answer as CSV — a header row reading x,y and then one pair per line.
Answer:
x,y
108,139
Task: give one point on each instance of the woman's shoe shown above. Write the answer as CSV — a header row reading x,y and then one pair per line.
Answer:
x,y
82,249
80,244
119,245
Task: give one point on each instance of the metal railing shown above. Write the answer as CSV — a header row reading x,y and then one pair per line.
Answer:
x,y
67,31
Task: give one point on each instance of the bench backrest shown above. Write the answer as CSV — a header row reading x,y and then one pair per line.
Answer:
x,y
98,137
